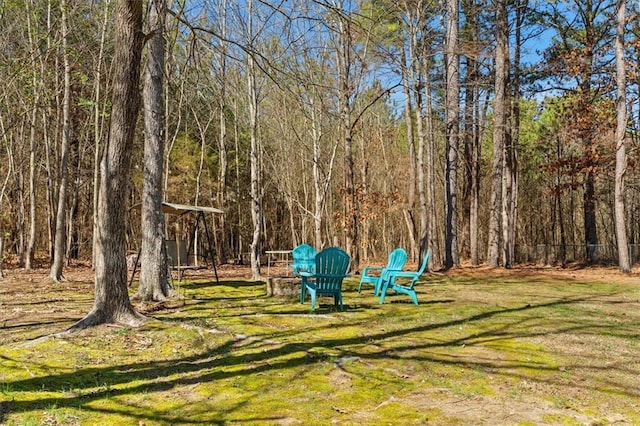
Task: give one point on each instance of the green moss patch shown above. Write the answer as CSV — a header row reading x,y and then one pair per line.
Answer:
x,y
527,348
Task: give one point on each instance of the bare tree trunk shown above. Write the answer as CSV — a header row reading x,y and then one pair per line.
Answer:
x,y
221,193
111,302
97,130
51,190
507,191
351,200
2,192
499,132
239,205
408,115
511,157
435,259
202,130
589,208
345,92
480,113
419,73
452,129
256,201
320,182
31,239
562,254
319,187
153,268
624,263
468,141
60,227
473,120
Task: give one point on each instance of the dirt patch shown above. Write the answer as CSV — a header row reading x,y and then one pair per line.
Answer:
x,y
31,301
32,305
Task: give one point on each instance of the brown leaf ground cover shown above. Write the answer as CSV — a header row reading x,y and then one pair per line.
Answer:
x,y
527,346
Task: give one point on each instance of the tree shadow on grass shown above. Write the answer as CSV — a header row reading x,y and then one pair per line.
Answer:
x,y
226,360
195,285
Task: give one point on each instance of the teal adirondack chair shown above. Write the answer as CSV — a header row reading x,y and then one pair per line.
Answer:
x,y
376,274
304,260
332,264
391,280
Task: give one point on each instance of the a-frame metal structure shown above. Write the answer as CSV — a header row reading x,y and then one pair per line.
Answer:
x,y
200,219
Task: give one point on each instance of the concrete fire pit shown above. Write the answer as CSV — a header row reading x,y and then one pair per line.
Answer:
x,y
283,286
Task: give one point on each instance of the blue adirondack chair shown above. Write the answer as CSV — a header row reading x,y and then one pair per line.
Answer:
x,y
332,264
391,281
376,274
304,260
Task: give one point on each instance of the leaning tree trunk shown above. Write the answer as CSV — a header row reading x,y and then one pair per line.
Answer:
x,y
111,301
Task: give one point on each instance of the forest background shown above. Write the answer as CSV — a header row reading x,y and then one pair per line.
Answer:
x,y
484,130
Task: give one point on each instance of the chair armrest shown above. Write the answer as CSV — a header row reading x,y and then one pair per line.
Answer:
x,y
371,268
402,274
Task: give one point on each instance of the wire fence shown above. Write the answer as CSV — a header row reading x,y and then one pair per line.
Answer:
x,y
549,254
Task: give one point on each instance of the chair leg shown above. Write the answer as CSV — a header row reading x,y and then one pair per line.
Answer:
x,y
413,296
313,300
377,287
383,293
337,301
303,287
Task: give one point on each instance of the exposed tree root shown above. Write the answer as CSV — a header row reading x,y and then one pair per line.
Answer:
x,y
97,317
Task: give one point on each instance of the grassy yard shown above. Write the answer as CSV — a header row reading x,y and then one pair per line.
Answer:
x,y
522,347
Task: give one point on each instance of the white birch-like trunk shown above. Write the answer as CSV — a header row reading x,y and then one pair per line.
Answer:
x,y
624,262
